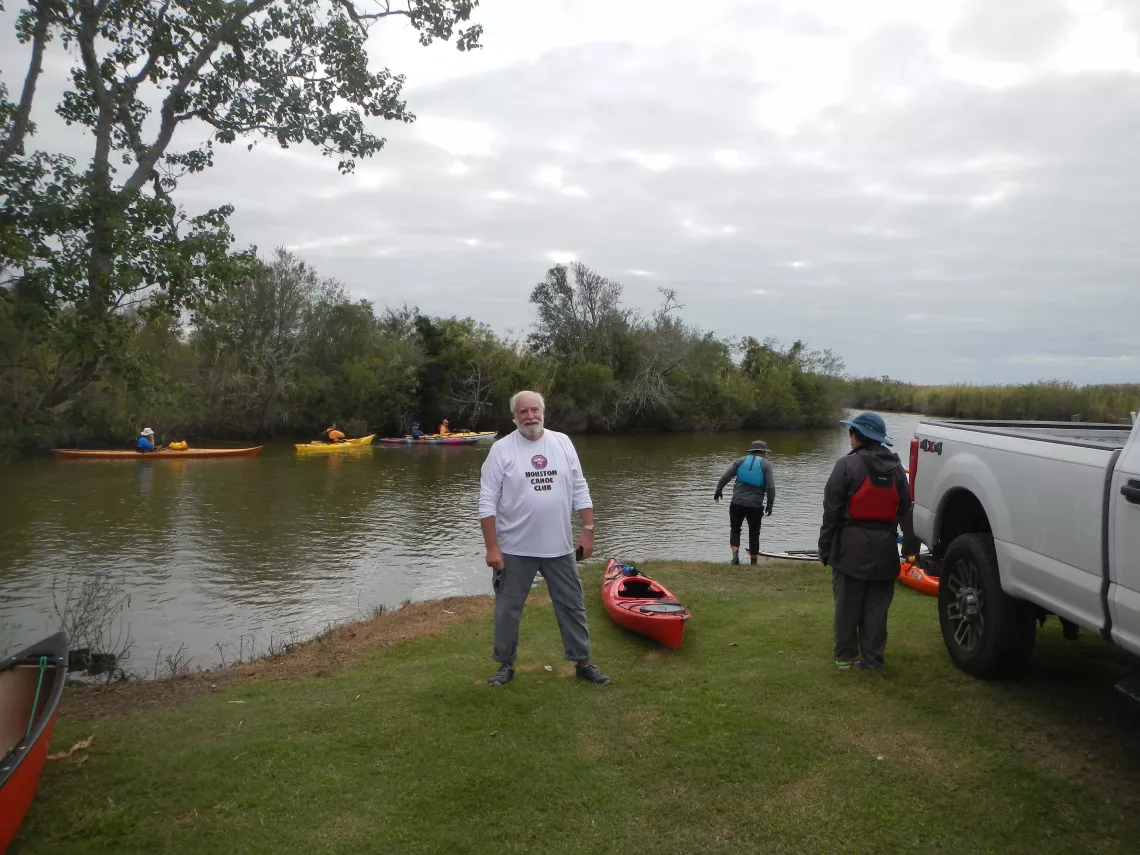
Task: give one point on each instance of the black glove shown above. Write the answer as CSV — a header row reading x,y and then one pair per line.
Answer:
x,y
716,496
768,512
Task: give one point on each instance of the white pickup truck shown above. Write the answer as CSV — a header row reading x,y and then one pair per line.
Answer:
x,y
1026,519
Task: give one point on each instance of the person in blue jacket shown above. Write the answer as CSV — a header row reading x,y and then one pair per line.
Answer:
x,y
145,442
754,484
416,432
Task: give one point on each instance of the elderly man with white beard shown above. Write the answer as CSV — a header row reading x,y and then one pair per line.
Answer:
x,y
530,480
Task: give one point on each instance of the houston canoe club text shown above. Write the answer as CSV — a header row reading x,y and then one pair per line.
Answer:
x,y
543,479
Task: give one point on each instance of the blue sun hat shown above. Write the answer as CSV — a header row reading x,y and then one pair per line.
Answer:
x,y
871,426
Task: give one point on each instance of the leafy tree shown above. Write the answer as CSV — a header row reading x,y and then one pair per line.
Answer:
x,y
580,320
253,338
81,241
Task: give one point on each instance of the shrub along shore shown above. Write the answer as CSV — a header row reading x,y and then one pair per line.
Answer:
x,y
283,353
1044,401
383,737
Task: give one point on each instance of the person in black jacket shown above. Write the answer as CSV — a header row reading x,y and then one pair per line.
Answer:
x,y
754,483
863,501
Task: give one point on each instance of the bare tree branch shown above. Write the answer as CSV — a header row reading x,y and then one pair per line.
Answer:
x,y
153,53
363,20
14,144
169,115
89,20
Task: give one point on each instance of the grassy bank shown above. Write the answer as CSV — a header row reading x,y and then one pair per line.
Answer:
x,y
1047,401
387,740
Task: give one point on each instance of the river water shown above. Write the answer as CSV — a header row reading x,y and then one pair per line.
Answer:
x,y
233,552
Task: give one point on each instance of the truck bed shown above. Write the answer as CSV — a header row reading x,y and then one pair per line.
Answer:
x,y
1085,435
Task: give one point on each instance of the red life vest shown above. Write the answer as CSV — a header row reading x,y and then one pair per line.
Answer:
x,y
876,500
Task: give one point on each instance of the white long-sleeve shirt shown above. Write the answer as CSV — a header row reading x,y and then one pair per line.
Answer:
x,y
530,487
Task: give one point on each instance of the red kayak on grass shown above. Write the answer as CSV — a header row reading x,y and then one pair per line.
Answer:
x,y
31,684
641,605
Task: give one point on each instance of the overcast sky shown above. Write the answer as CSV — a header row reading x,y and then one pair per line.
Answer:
x,y
938,190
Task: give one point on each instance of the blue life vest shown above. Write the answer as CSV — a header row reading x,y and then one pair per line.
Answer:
x,y
751,471
144,444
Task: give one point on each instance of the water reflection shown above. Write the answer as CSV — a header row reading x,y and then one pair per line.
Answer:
x,y
215,549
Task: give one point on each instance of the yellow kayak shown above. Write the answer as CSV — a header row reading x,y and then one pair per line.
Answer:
x,y
327,447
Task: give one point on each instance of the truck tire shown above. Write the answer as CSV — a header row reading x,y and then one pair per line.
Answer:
x,y
987,632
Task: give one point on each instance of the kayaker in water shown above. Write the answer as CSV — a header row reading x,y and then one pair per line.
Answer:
x,y
530,481
863,501
754,483
145,441
444,430
333,434
416,432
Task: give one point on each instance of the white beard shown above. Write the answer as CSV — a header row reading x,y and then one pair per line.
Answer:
x,y
531,431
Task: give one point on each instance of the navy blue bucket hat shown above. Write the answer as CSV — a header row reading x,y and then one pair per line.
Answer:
x,y
870,426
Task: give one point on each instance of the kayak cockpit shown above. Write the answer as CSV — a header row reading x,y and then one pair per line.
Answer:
x,y
640,589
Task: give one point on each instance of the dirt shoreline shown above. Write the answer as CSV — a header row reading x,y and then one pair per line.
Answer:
x,y
327,653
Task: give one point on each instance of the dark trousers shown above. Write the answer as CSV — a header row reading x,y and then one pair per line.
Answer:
x,y
861,618
737,514
512,585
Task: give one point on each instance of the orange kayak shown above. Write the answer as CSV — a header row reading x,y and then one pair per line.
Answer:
x,y
915,577
31,684
161,454
641,605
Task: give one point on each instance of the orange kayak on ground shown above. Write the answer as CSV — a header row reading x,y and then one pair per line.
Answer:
x,y
161,454
641,605
915,577
31,684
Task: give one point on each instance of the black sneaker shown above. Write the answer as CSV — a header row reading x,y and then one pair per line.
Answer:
x,y
735,558
504,675
591,673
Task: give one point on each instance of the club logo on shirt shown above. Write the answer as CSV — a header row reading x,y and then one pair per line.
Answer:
x,y
538,461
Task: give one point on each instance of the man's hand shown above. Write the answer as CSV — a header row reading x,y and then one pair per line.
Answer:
x,y
586,542
768,512
823,560
716,496
494,558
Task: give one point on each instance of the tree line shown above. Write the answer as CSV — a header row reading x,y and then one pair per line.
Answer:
x,y
284,352
1043,401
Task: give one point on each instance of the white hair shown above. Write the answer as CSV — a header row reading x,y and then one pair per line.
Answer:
x,y
517,395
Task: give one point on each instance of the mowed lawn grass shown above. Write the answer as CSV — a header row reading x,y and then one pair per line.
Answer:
x,y
746,740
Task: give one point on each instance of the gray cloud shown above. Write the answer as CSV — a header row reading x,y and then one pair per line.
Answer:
x,y
1014,30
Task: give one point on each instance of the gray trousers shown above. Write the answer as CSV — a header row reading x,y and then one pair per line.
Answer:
x,y
861,618
512,586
